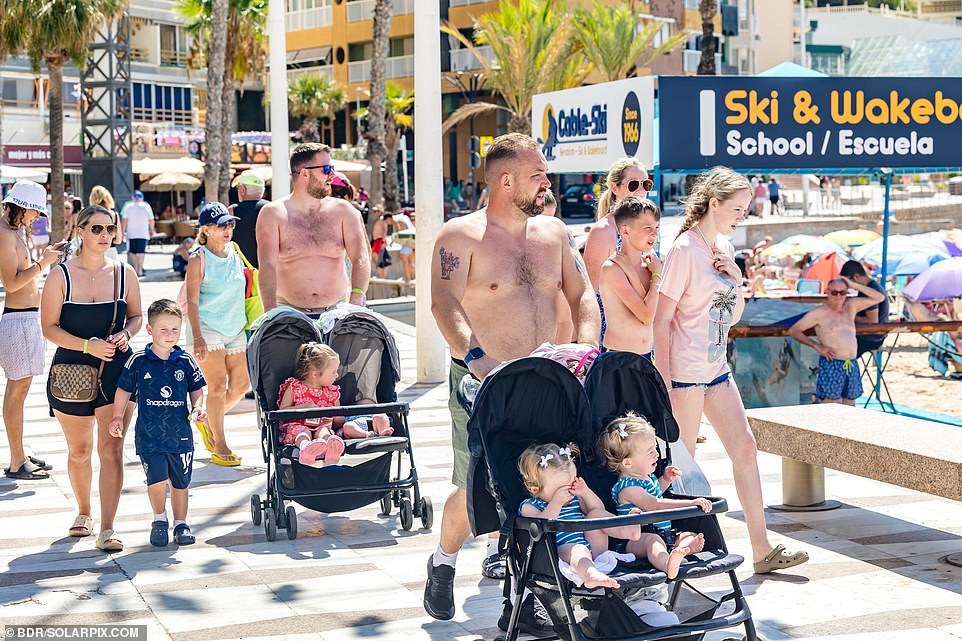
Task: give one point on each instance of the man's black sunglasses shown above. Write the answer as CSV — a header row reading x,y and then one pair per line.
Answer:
x,y
327,168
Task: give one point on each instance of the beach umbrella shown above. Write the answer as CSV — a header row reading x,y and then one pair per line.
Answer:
x,y
171,181
900,245
825,268
852,237
912,264
941,281
801,244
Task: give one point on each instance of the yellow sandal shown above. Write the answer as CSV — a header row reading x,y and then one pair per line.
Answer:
x,y
227,460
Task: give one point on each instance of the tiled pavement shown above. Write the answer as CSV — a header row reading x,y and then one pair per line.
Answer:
x,y
875,572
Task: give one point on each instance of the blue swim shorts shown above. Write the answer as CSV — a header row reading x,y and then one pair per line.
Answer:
x,y
838,378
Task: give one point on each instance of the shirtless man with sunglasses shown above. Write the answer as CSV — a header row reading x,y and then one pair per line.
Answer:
x,y
302,240
839,379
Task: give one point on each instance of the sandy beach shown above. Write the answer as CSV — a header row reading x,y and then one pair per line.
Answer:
x,y
912,382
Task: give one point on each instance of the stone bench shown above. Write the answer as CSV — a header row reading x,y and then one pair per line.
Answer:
x,y
920,455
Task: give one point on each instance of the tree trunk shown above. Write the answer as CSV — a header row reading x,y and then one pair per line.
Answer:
x,y
519,124
214,125
706,66
230,100
392,199
55,109
377,108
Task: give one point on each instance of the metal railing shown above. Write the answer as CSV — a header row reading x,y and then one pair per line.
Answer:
x,y
308,18
465,3
693,56
463,59
173,58
156,114
364,9
397,67
139,54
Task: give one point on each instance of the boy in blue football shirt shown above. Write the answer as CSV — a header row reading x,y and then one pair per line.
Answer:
x,y
164,376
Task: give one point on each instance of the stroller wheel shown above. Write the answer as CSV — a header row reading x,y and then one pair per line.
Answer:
x,y
426,512
386,505
407,514
291,523
270,524
256,509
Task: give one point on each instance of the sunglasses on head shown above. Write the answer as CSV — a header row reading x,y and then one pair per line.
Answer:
x,y
96,230
838,292
633,185
327,168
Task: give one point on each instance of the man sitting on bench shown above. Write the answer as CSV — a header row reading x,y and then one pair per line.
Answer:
x,y
839,379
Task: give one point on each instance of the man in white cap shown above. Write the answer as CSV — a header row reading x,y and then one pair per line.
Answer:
x,y
250,196
21,341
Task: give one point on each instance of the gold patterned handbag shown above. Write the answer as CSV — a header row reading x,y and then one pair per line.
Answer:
x,y
76,382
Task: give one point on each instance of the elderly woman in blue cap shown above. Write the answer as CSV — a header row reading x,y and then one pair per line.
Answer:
x,y
216,317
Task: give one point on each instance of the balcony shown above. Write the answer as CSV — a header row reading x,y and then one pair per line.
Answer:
x,y
308,18
464,60
362,10
397,67
175,116
139,54
692,58
173,58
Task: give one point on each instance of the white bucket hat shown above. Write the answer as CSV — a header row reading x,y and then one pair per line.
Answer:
x,y
29,195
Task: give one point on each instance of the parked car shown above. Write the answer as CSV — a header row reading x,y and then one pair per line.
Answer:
x,y
578,201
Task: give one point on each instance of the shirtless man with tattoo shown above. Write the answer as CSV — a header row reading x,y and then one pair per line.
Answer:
x,y
21,340
839,379
495,276
302,240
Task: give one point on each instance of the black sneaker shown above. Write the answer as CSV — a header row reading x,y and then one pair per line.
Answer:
x,y
494,567
533,619
439,591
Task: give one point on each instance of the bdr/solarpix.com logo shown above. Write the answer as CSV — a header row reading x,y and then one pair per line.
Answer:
x,y
631,124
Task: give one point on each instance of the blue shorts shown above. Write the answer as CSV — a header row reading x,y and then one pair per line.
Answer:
x,y
838,378
715,381
164,466
137,245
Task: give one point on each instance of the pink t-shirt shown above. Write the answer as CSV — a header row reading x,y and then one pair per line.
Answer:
x,y
698,335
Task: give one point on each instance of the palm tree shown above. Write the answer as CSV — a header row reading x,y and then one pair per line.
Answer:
x,y
313,96
377,110
54,33
707,9
399,119
617,41
534,51
245,54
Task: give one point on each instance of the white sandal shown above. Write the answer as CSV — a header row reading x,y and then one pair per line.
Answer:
x,y
107,542
82,526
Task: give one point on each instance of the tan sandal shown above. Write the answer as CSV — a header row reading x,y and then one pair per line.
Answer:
x,y
780,559
82,526
107,542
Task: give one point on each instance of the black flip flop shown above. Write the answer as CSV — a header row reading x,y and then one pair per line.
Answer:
x,y
43,465
26,475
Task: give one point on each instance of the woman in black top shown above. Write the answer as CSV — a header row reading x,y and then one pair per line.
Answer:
x,y
79,315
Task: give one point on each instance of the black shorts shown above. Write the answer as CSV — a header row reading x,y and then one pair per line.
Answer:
x,y
176,467
137,245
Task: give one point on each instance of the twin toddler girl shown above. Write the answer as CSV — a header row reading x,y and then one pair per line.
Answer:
x,y
629,448
313,385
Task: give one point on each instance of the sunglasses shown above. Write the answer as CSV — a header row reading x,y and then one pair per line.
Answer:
x,y
327,168
838,292
633,185
230,224
96,230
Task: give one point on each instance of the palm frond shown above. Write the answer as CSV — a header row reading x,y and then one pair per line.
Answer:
x,y
466,111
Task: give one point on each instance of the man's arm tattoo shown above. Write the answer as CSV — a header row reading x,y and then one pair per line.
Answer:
x,y
449,262
579,259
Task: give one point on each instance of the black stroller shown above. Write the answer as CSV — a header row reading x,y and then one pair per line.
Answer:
x,y
336,488
535,400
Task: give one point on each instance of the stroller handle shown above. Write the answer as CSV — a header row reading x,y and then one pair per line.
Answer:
x,y
718,506
339,410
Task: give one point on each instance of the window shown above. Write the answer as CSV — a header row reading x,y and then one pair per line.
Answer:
x,y
162,103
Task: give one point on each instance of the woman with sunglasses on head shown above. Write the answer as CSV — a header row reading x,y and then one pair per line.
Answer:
x,y
626,177
90,308
700,298
216,288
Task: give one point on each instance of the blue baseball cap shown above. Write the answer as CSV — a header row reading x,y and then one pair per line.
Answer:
x,y
138,194
215,213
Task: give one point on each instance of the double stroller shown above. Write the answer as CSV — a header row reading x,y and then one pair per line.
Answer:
x,y
536,400
368,360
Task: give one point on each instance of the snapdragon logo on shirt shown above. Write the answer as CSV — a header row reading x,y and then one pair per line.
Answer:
x,y
166,393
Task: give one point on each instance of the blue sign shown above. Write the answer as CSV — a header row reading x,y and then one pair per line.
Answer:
x,y
809,123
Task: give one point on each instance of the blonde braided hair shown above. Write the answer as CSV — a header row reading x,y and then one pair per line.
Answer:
x,y
720,183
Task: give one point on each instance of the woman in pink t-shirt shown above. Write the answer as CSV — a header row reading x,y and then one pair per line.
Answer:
x,y
699,299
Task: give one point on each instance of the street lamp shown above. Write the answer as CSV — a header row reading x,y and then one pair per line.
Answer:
x,y
357,111
469,85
